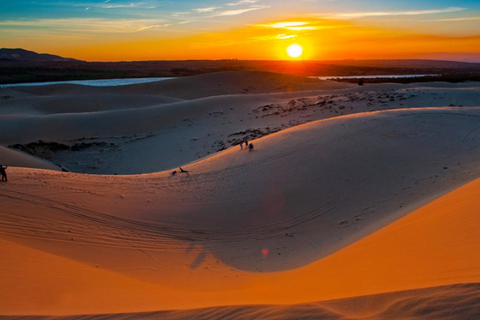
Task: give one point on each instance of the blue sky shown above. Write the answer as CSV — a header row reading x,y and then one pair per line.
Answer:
x,y
49,7
173,11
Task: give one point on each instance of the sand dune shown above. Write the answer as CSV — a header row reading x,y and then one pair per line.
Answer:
x,y
435,245
447,302
241,82
190,237
58,89
20,159
205,85
79,104
333,218
149,133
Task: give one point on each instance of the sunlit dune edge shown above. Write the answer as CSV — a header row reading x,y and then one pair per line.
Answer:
x,y
433,246
76,244
362,205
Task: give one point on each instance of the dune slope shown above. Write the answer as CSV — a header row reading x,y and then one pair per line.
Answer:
x,y
433,246
440,303
19,159
123,132
261,227
199,86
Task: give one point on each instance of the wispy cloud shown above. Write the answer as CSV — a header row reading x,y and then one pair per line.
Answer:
x,y
242,2
108,4
86,25
458,19
180,14
240,11
365,14
283,25
271,37
154,26
295,26
286,36
292,26
207,9
142,5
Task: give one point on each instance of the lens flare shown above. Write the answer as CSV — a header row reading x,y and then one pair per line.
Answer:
x,y
265,252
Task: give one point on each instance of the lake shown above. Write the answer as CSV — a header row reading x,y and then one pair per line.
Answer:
x,y
94,83
124,82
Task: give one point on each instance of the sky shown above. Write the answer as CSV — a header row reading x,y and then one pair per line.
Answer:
x,y
126,30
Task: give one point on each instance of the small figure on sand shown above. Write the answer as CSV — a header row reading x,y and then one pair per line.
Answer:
x,y
174,172
250,147
241,145
3,172
183,171
246,144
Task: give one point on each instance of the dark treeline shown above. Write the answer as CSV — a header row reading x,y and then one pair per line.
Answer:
x,y
40,71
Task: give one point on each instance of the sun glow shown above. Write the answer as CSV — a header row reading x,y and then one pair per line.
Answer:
x,y
295,50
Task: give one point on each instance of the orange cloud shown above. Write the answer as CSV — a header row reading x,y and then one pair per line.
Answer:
x,y
322,39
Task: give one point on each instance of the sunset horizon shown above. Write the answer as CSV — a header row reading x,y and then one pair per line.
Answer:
x,y
462,58
114,30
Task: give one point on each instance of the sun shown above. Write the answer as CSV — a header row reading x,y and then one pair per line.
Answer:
x,y
294,50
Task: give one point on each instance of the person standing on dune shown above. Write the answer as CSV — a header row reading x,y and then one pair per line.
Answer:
x,y
241,145
3,172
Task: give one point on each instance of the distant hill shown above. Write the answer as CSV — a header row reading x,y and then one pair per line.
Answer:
x,y
20,66
25,55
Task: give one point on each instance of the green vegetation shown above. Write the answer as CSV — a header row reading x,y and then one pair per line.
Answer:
x,y
453,78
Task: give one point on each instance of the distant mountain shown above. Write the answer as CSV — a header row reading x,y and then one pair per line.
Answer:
x,y
25,55
18,66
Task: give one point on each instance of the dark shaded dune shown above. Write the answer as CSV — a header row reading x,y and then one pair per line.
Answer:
x,y
222,83
99,103
440,303
459,301
63,89
212,84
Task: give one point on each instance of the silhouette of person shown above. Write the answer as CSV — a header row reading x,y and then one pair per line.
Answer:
x,y
183,171
174,172
241,145
3,172
250,147
246,144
